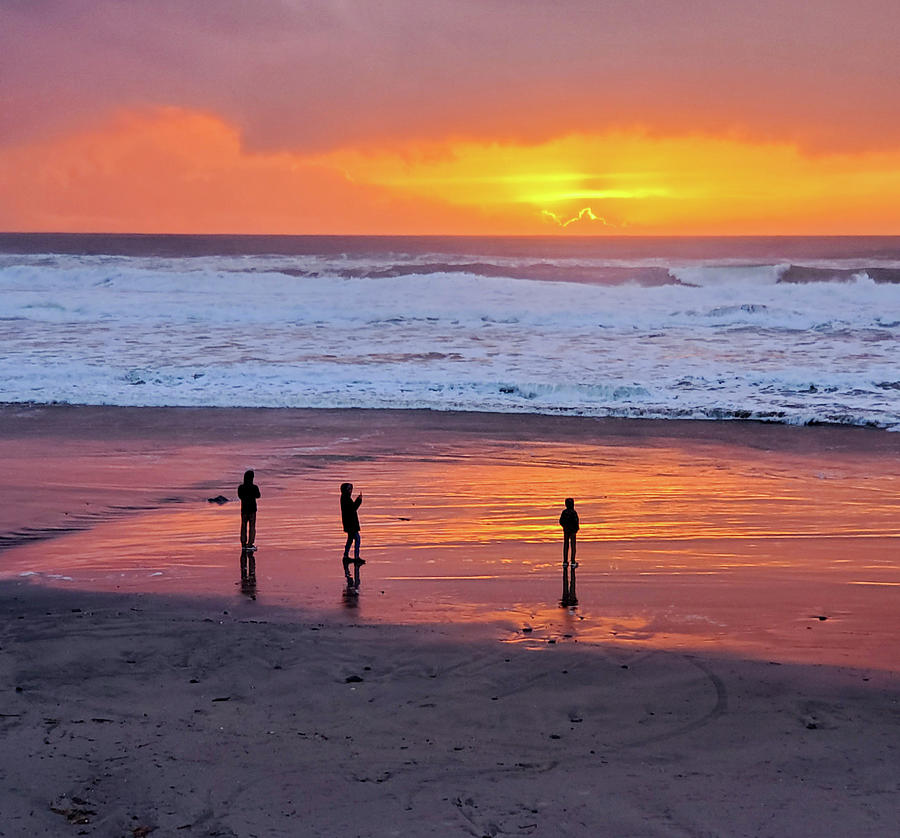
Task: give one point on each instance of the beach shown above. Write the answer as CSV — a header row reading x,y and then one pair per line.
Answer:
x,y
579,323
730,669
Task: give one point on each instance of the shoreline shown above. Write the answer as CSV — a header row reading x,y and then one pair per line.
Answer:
x,y
522,415
541,424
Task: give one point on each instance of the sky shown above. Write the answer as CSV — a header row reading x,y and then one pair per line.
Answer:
x,y
522,117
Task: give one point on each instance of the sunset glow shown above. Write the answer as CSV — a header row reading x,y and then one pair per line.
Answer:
x,y
169,169
299,132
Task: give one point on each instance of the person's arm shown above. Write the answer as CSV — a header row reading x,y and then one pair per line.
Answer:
x,y
358,501
257,490
562,519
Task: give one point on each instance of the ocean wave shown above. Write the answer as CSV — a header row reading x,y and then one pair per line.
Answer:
x,y
811,341
126,292
603,263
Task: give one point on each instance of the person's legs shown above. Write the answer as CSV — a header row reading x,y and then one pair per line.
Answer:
x,y
352,538
244,520
251,535
574,563
565,548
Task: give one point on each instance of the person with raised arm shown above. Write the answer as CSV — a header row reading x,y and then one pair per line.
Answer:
x,y
350,522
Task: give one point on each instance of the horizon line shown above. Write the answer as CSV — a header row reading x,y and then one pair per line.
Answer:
x,y
551,236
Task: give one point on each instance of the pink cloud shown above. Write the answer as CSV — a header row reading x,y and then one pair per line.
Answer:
x,y
168,170
317,74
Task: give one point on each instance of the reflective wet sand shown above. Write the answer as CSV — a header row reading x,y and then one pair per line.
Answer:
x,y
769,542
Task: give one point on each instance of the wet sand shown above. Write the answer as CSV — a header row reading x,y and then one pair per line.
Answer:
x,y
731,668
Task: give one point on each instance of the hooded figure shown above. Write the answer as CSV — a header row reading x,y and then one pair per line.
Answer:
x,y
569,523
248,492
350,522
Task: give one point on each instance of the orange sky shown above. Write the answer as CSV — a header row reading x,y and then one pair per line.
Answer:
x,y
493,117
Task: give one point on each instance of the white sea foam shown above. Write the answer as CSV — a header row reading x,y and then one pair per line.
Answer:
x,y
706,276
693,340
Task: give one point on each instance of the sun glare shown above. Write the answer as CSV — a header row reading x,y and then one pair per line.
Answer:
x,y
192,172
689,185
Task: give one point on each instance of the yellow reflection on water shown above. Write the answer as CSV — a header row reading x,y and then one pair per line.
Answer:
x,y
623,495
682,543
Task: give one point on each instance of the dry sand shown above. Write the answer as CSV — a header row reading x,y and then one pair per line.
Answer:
x,y
129,713
133,713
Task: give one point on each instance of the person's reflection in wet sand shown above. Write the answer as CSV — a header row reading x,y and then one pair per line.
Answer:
x,y
351,599
569,597
248,574
568,520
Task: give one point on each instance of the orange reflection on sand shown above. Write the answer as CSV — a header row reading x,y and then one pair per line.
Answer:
x,y
684,543
151,542
630,496
547,627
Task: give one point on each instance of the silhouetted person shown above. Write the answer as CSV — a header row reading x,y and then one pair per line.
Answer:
x,y
569,523
248,492
350,521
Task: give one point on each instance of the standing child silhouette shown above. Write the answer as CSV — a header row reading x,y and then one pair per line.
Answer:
x,y
248,492
350,522
569,523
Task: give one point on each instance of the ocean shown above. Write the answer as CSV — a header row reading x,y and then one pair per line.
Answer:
x,y
788,330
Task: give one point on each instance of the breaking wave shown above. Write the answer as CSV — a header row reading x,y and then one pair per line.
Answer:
x,y
794,340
